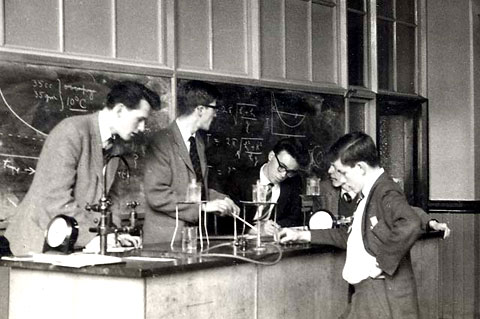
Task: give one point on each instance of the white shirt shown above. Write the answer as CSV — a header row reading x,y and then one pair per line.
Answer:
x,y
275,190
185,132
104,124
359,264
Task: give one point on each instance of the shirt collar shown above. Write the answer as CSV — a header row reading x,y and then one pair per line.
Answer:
x,y
343,191
263,178
184,131
104,124
371,179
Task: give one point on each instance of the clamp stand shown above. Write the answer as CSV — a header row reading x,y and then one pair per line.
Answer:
x,y
259,247
104,225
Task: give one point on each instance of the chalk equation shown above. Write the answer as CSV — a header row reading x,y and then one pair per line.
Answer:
x,y
242,114
74,97
13,168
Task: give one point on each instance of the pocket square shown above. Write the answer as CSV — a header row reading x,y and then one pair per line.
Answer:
x,y
373,221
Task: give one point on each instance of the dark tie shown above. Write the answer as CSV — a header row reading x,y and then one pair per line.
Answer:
x,y
357,201
196,162
346,197
358,198
114,147
108,148
346,206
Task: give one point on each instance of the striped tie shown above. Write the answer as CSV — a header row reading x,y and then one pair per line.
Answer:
x,y
266,208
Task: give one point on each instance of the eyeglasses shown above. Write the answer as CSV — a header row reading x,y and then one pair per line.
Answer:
x,y
213,105
282,168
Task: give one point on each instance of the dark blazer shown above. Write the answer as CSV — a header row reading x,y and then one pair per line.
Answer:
x,y
390,240
68,175
398,227
168,170
238,186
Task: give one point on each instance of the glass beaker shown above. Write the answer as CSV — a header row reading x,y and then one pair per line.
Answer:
x,y
194,192
313,186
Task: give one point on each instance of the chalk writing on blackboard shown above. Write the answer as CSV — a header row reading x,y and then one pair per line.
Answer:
x,y
285,121
35,98
10,166
252,119
75,97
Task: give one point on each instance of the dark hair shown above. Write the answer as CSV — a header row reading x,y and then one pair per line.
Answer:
x,y
130,94
295,148
353,148
195,93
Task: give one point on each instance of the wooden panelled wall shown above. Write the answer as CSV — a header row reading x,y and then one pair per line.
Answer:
x,y
277,41
459,259
264,42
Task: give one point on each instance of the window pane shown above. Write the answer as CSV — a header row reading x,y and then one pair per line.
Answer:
x,y
398,144
324,43
406,59
356,116
385,54
385,8
406,10
355,4
355,48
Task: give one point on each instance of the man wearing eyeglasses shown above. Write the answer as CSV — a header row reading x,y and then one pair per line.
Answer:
x,y
280,173
175,158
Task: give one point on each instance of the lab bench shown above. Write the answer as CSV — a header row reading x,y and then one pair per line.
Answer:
x,y
156,282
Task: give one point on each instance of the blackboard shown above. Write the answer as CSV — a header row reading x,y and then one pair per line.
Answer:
x,y
34,98
250,120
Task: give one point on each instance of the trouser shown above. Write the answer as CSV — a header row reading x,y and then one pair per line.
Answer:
x,y
383,298
4,247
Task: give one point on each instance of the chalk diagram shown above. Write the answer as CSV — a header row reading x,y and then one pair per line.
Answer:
x,y
285,124
293,124
24,163
58,99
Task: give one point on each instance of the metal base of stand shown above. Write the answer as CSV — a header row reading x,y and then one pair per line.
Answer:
x,y
260,248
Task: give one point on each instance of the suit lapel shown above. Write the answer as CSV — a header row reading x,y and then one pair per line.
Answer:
x,y
367,212
111,171
201,154
96,144
97,153
177,140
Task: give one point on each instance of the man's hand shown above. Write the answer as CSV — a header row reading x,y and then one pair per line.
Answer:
x,y
270,228
127,240
267,227
124,240
435,225
289,235
223,207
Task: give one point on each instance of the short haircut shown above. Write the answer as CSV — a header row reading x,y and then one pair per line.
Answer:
x,y
195,93
295,148
353,148
130,94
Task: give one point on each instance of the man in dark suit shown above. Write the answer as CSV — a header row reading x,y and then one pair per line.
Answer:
x,y
175,158
69,172
384,229
281,172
